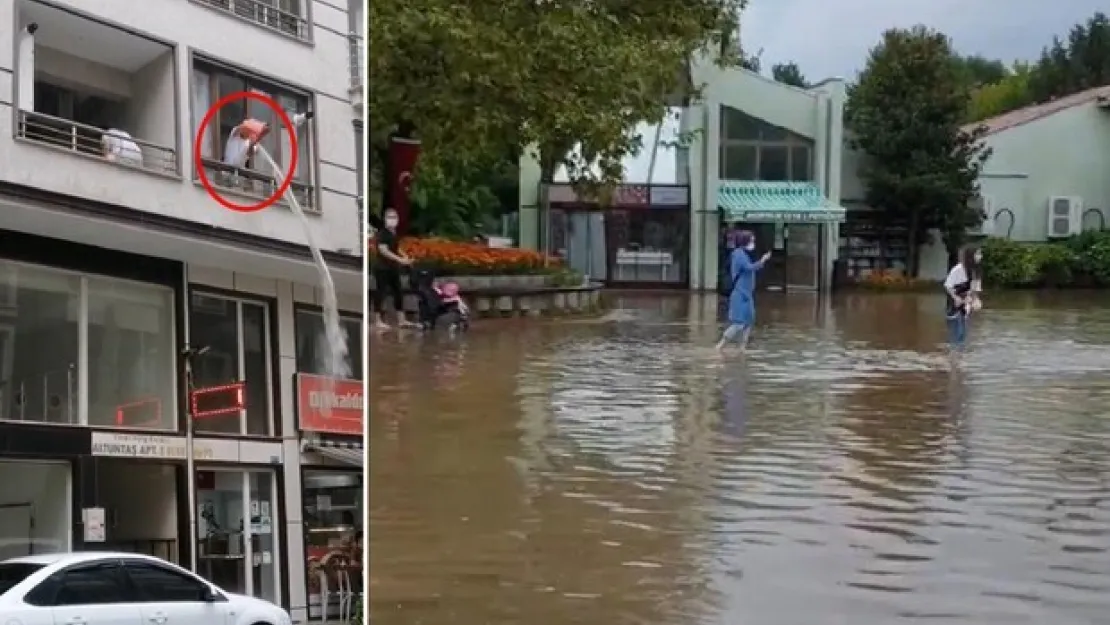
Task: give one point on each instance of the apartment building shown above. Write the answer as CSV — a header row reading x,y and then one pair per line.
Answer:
x,y
114,259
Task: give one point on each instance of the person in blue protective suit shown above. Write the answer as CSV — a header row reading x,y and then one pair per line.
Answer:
x,y
741,291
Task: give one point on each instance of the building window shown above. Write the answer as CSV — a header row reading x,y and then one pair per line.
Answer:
x,y
132,376
237,531
752,149
86,350
333,537
236,333
286,16
210,83
313,350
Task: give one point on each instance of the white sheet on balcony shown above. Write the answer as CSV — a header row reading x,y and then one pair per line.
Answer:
x,y
118,146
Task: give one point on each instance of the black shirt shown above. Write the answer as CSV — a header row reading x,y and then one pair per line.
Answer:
x,y
388,238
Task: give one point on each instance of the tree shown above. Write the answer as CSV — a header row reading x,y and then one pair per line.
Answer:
x,y
789,74
1008,94
1083,62
906,112
477,77
978,70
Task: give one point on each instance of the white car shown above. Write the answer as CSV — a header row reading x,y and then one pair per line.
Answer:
x,y
108,588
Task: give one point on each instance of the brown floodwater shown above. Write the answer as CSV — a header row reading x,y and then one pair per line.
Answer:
x,y
616,470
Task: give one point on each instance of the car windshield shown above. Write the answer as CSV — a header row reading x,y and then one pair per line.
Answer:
x,y
11,573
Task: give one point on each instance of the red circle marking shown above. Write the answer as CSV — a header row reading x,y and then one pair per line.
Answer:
x,y
199,164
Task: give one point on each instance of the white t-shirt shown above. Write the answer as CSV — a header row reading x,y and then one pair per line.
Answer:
x,y
958,276
118,146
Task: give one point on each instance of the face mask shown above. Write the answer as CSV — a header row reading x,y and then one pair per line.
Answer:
x,y
391,222
750,247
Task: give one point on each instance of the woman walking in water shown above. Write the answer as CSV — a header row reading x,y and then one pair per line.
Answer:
x,y
961,289
741,291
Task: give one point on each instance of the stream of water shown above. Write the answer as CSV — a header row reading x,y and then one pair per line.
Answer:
x,y
337,364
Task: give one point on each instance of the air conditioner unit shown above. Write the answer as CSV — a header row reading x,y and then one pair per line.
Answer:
x,y
985,205
1065,215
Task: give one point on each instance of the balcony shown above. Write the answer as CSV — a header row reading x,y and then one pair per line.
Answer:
x,y
283,16
255,184
95,91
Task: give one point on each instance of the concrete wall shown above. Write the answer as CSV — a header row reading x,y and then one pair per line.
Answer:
x,y
149,113
47,488
320,67
1067,153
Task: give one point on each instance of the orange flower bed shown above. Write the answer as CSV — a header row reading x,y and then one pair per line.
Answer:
x,y
893,280
459,258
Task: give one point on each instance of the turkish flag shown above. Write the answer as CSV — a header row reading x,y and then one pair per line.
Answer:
x,y
403,154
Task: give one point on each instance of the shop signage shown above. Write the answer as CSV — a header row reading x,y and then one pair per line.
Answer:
x,y
329,405
625,196
670,196
155,447
788,216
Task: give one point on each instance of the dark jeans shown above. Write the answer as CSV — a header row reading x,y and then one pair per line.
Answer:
x,y
388,285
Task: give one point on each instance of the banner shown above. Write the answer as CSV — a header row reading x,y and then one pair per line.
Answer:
x,y
329,406
403,154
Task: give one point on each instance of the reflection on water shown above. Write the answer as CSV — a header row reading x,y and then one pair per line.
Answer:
x,y
619,471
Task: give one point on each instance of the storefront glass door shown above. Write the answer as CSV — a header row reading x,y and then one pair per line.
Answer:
x,y
333,521
802,255
237,531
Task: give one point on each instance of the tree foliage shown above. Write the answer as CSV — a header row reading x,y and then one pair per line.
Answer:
x,y
475,77
789,74
977,70
906,112
1066,66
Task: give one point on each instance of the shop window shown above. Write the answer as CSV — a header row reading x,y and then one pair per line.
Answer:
x,y
801,166
739,162
313,349
237,532
236,334
127,369
132,363
739,126
774,163
333,520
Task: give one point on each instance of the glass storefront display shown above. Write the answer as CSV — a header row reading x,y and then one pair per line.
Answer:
x,y
237,531
313,353
78,349
237,335
333,538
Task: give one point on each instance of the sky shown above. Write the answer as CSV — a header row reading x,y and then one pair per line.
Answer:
x,y
831,38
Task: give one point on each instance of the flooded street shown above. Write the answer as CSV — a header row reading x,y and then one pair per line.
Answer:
x,y
618,470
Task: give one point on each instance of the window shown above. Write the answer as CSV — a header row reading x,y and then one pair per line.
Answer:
x,y
739,162
132,360
237,335
774,163
360,166
91,584
159,584
800,165
313,350
212,82
333,521
12,573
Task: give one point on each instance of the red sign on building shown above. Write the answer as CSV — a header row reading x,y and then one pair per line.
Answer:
x,y
328,405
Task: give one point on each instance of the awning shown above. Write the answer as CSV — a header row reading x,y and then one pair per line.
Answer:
x,y
779,202
343,452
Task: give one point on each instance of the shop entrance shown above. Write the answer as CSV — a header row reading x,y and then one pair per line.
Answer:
x,y
795,258
141,500
35,508
238,532
333,540
642,247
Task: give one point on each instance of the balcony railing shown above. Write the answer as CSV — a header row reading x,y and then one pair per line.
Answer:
x,y
357,62
265,14
256,184
95,142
